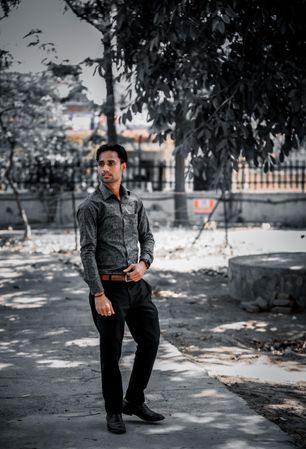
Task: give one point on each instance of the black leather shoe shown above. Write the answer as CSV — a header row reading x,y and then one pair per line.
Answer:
x,y
142,411
115,423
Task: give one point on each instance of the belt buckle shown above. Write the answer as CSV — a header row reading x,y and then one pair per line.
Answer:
x,y
126,278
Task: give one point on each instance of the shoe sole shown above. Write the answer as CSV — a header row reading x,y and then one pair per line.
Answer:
x,y
141,417
117,432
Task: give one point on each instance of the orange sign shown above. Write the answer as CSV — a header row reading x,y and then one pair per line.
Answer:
x,y
203,205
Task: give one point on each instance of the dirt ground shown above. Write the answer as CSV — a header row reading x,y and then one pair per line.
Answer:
x,y
199,317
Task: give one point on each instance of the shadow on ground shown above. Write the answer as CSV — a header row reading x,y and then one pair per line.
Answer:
x,y
50,381
259,356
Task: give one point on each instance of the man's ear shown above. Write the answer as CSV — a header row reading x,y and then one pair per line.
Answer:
x,y
123,166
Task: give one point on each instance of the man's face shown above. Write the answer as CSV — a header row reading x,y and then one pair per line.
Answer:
x,y
110,167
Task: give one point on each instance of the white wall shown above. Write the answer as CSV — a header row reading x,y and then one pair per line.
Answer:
x,y
288,209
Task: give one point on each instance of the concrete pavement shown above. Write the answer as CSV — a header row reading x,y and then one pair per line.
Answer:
x,y
50,387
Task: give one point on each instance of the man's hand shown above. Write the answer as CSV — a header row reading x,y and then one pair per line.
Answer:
x,y
103,305
136,271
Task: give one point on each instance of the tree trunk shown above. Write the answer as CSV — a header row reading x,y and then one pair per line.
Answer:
x,y
109,81
104,27
22,212
180,199
27,228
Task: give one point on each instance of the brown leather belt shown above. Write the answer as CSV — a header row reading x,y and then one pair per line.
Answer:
x,y
115,277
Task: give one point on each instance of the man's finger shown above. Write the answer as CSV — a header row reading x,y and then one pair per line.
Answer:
x,y
129,268
111,309
106,309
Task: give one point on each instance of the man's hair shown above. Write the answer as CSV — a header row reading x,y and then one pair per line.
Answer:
x,y
120,150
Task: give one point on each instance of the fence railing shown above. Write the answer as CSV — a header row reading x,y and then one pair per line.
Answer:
x,y
80,175
289,177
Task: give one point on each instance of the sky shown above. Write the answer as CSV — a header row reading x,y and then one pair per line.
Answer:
x,y
74,40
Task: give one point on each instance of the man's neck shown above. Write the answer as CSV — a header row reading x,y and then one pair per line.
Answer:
x,y
114,188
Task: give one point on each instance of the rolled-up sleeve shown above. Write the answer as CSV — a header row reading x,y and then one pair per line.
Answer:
x,y
87,219
145,235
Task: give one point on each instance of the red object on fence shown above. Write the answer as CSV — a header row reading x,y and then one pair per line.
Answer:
x,y
202,206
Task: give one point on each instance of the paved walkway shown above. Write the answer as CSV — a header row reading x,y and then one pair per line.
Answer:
x,y
50,382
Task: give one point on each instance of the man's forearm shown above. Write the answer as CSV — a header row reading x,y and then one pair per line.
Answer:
x,y
91,273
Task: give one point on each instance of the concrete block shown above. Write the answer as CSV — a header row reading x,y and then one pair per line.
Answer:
x,y
283,302
262,303
285,310
283,296
250,307
270,276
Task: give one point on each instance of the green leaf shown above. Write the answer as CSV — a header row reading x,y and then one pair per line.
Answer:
x,y
295,143
221,27
222,144
272,158
225,18
33,31
229,11
129,115
269,146
266,167
165,88
215,24
33,43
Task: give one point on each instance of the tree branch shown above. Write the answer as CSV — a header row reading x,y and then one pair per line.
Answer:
x,y
81,15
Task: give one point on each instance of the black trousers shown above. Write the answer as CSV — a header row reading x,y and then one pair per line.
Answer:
x,y
132,305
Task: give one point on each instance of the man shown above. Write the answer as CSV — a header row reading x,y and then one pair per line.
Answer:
x,y
113,226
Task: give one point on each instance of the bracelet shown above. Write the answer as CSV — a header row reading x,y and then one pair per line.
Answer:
x,y
100,294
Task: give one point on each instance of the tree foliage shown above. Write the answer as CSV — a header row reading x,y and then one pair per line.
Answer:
x,y
222,77
31,117
235,70
6,6
31,124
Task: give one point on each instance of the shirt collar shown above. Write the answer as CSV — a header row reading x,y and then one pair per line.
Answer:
x,y
124,191
107,193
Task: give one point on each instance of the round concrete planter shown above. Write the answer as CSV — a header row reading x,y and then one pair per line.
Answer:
x,y
268,276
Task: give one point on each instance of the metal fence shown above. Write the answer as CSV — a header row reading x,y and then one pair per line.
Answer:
x,y
80,175
289,177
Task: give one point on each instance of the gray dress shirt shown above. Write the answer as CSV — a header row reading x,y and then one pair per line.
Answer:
x,y
113,234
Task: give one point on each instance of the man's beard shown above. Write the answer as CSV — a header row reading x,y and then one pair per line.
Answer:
x,y
108,179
